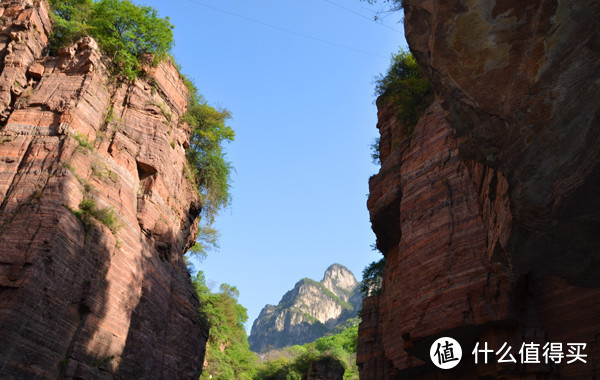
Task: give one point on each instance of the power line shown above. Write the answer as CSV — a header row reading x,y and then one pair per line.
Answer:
x,y
286,30
362,16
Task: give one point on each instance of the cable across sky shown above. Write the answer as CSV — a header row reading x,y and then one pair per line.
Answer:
x,y
362,16
276,27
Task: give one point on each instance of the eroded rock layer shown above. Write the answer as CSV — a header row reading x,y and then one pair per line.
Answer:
x,y
488,213
95,214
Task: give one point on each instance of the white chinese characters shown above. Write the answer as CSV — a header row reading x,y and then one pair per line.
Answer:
x,y
532,353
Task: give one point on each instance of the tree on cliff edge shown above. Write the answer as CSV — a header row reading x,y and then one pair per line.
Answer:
x,y
123,30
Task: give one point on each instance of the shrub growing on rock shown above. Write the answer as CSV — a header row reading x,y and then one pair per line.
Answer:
x,y
405,84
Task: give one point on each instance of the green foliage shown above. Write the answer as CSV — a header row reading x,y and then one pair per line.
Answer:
x,y
295,361
70,22
372,277
209,169
346,340
84,144
102,171
227,353
405,85
123,30
106,216
375,151
207,239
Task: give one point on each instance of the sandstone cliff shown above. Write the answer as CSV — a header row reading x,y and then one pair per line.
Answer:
x,y
307,312
95,214
488,214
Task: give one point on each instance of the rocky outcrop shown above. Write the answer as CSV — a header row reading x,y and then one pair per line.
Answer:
x,y
307,312
487,214
95,214
327,368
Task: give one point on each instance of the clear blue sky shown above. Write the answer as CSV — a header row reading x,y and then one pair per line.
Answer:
x,y
304,118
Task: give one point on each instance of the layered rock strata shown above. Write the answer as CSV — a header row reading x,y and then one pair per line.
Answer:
x,y
487,213
520,84
307,312
95,214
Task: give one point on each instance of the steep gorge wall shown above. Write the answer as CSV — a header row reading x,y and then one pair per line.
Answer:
x,y
78,300
488,214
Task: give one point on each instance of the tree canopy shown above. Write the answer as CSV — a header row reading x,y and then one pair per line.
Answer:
x,y
295,362
207,167
227,351
123,30
372,278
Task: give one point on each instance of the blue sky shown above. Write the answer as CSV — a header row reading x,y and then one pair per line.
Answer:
x,y
304,118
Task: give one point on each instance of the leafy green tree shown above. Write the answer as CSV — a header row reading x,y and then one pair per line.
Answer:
x,y
372,277
209,131
295,361
207,167
123,30
70,22
227,352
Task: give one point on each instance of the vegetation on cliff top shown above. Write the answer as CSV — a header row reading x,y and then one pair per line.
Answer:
x,y
124,31
406,86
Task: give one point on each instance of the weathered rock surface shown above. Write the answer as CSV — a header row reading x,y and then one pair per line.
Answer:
x,y
307,312
77,299
487,214
436,277
520,82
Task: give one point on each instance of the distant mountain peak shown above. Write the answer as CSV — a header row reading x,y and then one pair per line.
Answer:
x,y
308,311
340,280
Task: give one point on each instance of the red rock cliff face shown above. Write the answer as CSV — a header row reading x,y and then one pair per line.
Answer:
x,y
488,214
77,299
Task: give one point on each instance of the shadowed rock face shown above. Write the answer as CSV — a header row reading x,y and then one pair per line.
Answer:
x,y
308,311
327,368
520,84
77,299
487,214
